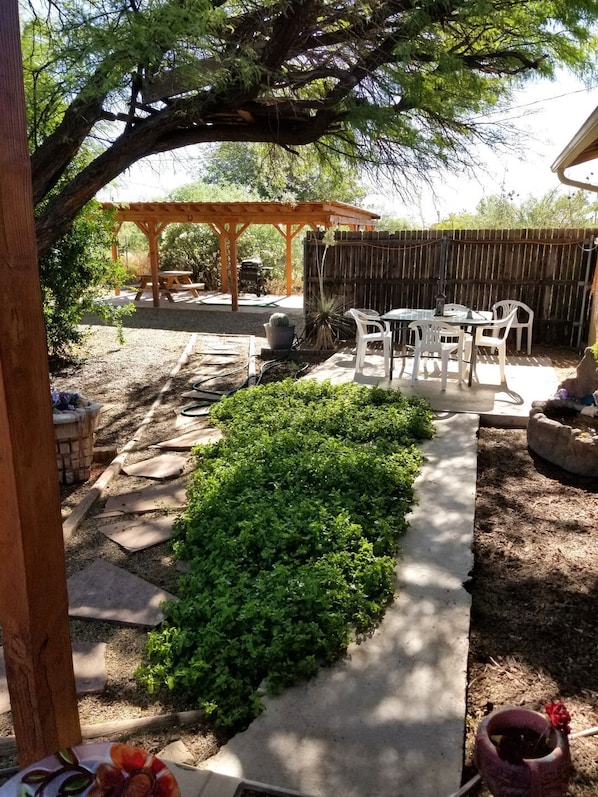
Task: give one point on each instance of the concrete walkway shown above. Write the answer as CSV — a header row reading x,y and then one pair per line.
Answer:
x,y
388,720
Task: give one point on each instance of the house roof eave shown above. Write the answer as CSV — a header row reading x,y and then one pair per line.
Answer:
x,y
582,148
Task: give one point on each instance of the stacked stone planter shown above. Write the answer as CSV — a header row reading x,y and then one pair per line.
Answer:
x,y
557,441
74,431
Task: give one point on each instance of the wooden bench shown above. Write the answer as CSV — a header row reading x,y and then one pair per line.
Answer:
x,y
190,286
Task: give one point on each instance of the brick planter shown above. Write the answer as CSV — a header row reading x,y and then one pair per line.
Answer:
x,y
74,431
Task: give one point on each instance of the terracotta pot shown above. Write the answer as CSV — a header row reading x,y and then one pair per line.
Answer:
x,y
546,776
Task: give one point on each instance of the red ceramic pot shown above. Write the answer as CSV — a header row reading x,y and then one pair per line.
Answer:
x,y
520,776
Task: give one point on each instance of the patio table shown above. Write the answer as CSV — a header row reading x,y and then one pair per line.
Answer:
x,y
169,281
401,317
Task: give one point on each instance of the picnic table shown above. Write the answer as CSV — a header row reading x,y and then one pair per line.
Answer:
x,y
170,282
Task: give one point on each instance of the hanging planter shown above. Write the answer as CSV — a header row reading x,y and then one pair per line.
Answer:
x,y
522,753
75,420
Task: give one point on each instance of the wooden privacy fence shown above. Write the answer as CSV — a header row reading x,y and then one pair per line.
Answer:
x,y
551,270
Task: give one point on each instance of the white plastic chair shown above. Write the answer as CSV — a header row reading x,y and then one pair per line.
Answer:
x,y
370,329
437,337
493,336
524,319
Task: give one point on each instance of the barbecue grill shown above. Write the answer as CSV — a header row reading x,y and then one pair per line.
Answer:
x,y
252,276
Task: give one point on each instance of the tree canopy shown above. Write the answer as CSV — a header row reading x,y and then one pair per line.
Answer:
x,y
553,209
276,174
394,84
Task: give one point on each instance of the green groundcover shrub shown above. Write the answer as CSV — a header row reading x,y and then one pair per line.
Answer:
x,y
290,539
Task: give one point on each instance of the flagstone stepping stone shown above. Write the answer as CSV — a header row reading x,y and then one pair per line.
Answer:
x,y
159,496
164,466
215,359
136,535
103,591
185,420
201,395
217,347
89,664
178,752
113,513
191,439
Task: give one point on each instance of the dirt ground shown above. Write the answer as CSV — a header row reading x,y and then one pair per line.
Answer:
x,y
534,586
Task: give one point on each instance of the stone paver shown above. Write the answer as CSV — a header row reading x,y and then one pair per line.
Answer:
x,y
103,591
160,496
89,664
192,438
164,466
137,535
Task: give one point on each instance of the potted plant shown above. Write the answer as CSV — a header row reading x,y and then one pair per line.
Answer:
x,y
280,333
75,419
523,753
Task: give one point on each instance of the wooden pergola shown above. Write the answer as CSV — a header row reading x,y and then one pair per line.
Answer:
x,y
229,220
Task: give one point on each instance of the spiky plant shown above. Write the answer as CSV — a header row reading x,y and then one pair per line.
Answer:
x,y
326,322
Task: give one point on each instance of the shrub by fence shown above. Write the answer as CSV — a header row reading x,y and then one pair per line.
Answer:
x,y
551,270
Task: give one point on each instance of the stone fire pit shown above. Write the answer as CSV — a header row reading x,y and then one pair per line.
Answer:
x,y
563,430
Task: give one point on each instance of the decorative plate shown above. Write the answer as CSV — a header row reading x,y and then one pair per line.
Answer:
x,y
95,770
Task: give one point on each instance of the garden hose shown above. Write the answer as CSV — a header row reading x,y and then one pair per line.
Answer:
x,y
211,396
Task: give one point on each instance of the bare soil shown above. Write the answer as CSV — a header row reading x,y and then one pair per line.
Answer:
x,y
534,585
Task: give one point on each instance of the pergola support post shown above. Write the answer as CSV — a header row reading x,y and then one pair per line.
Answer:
x,y
289,232
152,230
33,592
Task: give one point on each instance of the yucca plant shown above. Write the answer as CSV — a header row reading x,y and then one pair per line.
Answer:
x,y
326,322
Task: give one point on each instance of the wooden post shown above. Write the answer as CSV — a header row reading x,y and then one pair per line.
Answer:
x,y
33,593
152,230
114,252
234,282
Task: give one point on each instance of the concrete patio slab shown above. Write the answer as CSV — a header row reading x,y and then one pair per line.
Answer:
x,y
164,466
103,591
159,496
89,663
136,535
528,379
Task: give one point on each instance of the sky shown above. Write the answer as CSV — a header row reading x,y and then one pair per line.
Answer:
x,y
547,115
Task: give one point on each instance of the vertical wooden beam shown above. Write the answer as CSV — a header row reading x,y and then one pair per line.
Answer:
x,y
234,282
152,237
152,230
288,232
114,253
33,593
289,258
222,236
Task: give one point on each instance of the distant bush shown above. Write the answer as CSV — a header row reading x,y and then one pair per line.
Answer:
x,y
74,273
290,539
